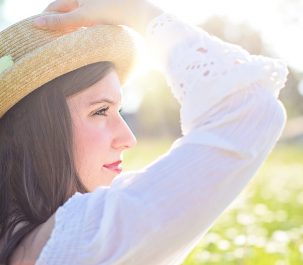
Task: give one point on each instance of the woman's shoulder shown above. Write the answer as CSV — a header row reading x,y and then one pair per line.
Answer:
x,y
71,225
31,246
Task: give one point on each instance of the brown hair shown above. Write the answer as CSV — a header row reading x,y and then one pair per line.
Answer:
x,y
37,171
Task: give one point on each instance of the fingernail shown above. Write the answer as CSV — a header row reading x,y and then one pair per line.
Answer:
x,y
40,22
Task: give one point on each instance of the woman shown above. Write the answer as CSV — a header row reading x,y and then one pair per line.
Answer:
x,y
64,198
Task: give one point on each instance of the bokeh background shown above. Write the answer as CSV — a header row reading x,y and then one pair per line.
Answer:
x,y
264,225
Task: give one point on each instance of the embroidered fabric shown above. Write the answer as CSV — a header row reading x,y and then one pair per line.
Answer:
x,y
206,62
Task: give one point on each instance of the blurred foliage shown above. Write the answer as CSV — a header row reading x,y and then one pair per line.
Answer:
x,y
290,95
263,226
151,148
158,114
238,33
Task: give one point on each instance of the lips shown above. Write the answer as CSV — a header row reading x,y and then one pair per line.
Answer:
x,y
114,166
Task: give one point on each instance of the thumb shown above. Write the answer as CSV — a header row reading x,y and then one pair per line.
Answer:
x,y
63,21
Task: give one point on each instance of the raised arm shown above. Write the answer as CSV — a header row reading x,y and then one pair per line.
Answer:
x,y
230,118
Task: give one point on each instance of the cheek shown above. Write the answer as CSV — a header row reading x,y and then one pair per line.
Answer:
x,y
92,142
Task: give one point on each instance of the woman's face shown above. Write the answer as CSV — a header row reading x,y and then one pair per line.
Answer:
x,y
100,133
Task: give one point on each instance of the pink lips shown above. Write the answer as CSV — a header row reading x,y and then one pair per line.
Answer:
x,y
114,167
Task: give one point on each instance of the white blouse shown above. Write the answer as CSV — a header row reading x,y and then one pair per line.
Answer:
x,y
230,119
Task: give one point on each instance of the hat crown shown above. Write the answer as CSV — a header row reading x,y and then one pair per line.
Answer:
x,y
22,38
32,57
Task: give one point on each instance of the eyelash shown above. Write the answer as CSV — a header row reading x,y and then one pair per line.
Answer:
x,y
104,111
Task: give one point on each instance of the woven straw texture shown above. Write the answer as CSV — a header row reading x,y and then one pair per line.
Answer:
x,y
40,56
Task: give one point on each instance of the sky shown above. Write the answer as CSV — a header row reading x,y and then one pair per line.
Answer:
x,y
280,22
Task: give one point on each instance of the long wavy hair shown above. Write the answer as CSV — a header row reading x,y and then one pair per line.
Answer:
x,y
37,170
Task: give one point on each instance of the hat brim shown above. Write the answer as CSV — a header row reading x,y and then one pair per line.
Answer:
x,y
64,54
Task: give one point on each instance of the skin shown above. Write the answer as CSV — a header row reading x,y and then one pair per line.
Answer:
x,y
85,13
99,139
30,248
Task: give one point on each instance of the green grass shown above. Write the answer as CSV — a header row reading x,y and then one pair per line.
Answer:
x,y
264,225
145,152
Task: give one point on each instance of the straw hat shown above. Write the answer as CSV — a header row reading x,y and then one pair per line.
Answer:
x,y
31,57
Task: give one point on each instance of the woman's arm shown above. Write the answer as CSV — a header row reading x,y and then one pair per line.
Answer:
x,y
74,14
230,118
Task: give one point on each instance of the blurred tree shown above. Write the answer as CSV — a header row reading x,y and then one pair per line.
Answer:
x,y
242,34
1,4
290,95
291,12
158,114
1,9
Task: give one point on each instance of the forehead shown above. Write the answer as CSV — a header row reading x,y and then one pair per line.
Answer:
x,y
108,87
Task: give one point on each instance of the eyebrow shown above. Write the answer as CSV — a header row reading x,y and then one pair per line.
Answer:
x,y
101,100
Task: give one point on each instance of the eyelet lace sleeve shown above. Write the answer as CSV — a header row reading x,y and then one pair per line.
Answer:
x,y
202,69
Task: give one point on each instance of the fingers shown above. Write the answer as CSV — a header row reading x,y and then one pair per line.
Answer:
x,y
62,6
63,22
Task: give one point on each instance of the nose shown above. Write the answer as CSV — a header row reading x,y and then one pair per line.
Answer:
x,y
124,138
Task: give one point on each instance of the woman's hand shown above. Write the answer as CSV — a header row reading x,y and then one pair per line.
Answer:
x,y
85,13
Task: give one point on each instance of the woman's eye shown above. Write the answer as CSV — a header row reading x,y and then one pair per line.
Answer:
x,y
102,111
